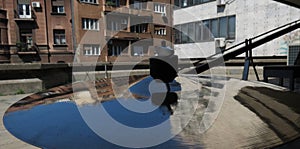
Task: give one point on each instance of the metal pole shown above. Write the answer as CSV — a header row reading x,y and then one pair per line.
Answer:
x,y
105,68
247,61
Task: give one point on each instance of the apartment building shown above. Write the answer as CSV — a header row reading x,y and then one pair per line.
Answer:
x,y
51,31
36,31
203,26
122,30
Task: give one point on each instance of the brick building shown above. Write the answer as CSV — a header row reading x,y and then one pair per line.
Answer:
x,y
93,30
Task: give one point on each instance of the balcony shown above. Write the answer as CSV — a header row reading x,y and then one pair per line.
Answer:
x,y
31,17
25,48
127,35
123,9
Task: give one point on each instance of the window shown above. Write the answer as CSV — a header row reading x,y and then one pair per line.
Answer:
x,y
223,27
90,24
114,50
91,50
231,27
114,3
184,35
215,28
187,3
160,8
206,30
140,28
160,30
116,23
24,10
138,51
137,5
59,37
58,6
191,32
177,34
89,1
198,31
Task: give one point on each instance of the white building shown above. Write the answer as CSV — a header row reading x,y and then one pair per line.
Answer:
x,y
234,21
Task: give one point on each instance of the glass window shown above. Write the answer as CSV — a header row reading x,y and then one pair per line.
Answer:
x,y
90,1
114,50
231,28
206,30
91,49
184,3
59,37
90,24
198,31
160,8
215,28
223,27
177,34
187,3
184,34
58,6
191,32
160,30
177,3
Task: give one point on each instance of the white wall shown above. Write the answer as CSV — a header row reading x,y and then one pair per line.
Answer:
x,y
253,17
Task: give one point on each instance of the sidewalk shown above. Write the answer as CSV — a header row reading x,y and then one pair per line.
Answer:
x,y
8,141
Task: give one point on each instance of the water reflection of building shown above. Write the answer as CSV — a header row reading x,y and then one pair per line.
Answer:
x,y
50,31
98,91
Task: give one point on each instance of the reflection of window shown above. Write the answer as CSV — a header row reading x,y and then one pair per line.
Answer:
x,y
206,30
160,30
138,51
114,50
191,32
140,28
90,24
177,34
186,3
58,6
90,1
59,37
91,49
160,8
116,24
137,5
198,31
184,35
114,3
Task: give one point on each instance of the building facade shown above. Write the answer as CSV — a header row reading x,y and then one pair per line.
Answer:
x,y
36,31
51,31
199,23
123,30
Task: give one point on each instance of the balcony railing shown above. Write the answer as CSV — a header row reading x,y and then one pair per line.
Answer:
x,y
127,35
29,17
27,48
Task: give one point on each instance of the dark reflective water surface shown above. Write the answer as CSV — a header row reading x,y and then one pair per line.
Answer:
x,y
196,113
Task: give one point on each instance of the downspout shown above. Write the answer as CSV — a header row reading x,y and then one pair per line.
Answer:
x,y
73,29
47,34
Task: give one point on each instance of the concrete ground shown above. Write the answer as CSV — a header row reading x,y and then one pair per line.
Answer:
x,y
8,141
